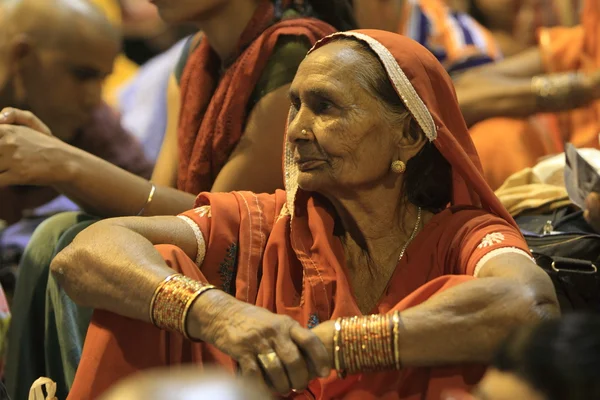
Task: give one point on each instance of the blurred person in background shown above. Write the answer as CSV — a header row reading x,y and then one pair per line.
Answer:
x,y
555,360
55,68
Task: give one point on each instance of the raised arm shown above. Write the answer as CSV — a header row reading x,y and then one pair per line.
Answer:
x,y
505,89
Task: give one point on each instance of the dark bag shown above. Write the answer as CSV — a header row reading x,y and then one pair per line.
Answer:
x,y
568,249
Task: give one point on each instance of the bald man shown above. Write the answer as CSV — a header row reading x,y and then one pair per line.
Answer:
x,y
54,55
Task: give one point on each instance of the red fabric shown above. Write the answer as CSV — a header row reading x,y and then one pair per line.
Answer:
x,y
258,253
214,111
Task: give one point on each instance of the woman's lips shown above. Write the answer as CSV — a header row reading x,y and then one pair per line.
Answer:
x,y
307,165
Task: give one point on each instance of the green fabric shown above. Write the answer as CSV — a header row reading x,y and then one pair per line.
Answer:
x,y
281,67
47,329
280,70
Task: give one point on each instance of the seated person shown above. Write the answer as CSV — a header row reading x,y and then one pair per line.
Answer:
x,y
124,69
55,68
372,161
455,38
225,132
514,24
555,360
561,74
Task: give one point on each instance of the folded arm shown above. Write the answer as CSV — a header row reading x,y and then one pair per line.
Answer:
x,y
467,322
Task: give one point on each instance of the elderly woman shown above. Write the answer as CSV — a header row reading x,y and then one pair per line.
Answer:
x,y
376,150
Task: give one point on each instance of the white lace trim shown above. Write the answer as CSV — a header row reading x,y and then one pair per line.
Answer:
x,y
498,252
201,252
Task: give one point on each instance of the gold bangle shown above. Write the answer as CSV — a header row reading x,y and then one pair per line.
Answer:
x,y
396,319
337,349
559,91
158,288
148,200
173,300
186,311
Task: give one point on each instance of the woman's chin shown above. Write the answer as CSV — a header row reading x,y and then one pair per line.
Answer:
x,y
310,181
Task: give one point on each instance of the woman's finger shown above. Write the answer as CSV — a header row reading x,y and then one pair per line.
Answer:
x,y
15,116
312,348
250,370
274,371
293,361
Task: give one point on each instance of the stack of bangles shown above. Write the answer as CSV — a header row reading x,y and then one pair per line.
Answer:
x,y
367,344
172,301
559,91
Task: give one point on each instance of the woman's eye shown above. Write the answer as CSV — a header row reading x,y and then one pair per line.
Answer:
x,y
322,106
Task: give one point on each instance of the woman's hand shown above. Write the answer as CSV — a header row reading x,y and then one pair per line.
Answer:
x,y
325,332
288,355
29,154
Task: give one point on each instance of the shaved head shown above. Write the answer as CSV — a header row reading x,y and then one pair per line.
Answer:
x,y
54,22
54,56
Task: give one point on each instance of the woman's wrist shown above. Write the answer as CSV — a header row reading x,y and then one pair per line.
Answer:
x,y
67,163
206,313
173,302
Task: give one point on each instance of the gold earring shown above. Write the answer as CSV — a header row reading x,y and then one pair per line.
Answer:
x,y
398,167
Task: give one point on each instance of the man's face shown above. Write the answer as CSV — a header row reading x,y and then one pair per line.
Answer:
x,y
63,85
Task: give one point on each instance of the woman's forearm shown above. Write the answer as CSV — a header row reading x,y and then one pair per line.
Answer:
x,y
106,190
465,324
99,270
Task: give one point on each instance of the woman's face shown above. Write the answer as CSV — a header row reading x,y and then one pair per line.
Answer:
x,y
178,11
348,144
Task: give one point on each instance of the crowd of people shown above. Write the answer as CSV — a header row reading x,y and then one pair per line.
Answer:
x,y
330,198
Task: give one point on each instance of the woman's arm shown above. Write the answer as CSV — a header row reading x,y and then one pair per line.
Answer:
x,y
165,170
114,266
255,164
100,270
29,155
466,323
504,89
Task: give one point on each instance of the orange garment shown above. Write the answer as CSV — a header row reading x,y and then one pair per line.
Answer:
x,y
508,145
570,49
214,109
280,252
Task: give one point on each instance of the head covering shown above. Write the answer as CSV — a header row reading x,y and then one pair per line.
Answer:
x,y
428,93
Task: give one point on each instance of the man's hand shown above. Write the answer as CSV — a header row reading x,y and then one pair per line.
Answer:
x,y
29,154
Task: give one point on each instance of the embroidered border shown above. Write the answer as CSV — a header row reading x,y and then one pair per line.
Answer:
x,y
201,252
497,252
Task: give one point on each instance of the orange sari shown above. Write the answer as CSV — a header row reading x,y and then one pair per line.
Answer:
x,y
280,252
571,49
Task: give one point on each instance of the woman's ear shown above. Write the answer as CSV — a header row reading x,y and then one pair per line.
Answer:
x,y
411,140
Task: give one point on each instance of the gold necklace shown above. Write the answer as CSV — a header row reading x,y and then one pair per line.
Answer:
x,y
412,236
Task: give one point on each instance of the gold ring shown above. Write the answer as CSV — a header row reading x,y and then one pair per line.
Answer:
x,y
269,360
